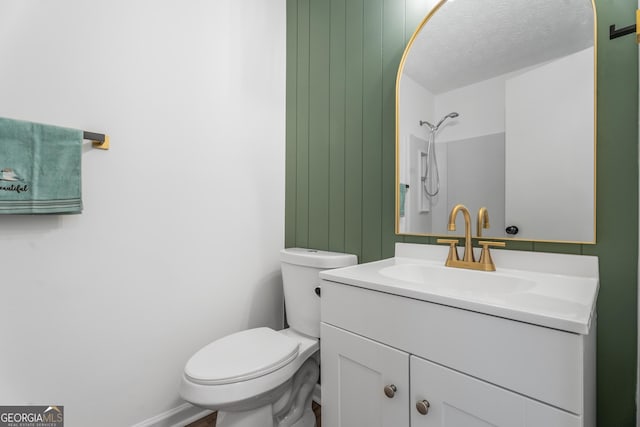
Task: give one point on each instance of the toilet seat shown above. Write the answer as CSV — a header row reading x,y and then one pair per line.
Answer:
x,y
241,357
246,394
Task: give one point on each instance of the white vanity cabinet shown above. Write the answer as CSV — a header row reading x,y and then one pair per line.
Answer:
x,y
471,369
367,383
458,400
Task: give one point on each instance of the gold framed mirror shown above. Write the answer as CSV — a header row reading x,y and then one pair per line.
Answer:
x,y
495,108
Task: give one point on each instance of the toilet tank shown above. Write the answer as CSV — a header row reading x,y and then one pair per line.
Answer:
x,y
300,268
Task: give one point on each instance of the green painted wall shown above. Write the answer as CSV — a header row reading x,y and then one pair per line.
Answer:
x,y
342,58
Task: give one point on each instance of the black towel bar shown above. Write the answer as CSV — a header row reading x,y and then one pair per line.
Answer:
x,y
92,136
615,33
99,140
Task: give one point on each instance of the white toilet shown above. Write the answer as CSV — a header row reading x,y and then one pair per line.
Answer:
x,y
261,377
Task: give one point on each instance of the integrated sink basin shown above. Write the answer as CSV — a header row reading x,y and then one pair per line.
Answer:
x,y
554,290
456,281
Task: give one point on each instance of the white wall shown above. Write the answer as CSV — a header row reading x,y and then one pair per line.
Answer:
x,y
492,107
481,109
473,144
547,166
482,158
416,104
183,217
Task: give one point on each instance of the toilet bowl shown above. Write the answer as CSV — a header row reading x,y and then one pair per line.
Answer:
x,y
261,377
241,370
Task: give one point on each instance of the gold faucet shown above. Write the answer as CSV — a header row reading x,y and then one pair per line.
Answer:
x,y
468,260
483,220
468,247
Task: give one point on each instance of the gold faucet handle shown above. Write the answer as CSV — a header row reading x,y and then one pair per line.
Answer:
x,y
485,257
483,220
453,251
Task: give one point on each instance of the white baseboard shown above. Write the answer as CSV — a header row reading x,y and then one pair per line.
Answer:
x,y
187,413
176,417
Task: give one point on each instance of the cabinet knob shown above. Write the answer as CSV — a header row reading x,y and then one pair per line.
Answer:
x,y
390,391
423,406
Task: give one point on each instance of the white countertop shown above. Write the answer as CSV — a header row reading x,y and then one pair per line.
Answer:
x,y
553,290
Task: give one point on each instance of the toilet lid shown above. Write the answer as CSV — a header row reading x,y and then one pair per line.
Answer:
x,y
241,356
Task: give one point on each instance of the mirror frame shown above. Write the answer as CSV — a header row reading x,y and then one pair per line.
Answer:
x,y
424,21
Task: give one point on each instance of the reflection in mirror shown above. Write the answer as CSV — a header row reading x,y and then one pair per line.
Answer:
x,y
495,104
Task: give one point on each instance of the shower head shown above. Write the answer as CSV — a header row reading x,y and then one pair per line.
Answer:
x,y
433,128
452,115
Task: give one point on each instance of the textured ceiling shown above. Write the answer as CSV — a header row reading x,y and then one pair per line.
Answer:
x,y
467,41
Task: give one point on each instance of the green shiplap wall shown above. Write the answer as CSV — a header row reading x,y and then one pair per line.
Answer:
x,y
342,58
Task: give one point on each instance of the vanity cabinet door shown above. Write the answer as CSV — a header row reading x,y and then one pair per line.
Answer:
x,y
458,400
364,383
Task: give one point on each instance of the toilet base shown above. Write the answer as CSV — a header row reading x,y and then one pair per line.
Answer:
x,y
292,409
307,420
260,417
255,417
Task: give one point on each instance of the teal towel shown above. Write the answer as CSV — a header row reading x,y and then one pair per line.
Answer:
x,y
39,168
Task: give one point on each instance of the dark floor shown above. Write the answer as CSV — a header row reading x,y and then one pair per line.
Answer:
x,y
210,420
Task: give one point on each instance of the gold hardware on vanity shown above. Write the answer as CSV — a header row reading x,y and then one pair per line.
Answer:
x,y
485,256
468,261
483,220
468,247
453,250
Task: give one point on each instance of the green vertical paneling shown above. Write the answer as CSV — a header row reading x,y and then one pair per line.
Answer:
x,y
415,11
290,210
302,132
342,57
617,216
337,122
416,239
392,47
353,128
372,132
518,245
560,248
319,124
616,346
